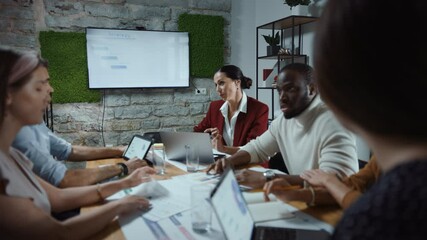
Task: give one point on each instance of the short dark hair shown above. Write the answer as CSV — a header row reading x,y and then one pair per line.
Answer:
x,y
302,68
235,73
350,48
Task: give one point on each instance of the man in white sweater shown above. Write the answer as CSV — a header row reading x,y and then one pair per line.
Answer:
x,y
307,134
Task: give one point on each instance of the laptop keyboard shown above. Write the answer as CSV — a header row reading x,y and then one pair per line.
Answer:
x,y
271,233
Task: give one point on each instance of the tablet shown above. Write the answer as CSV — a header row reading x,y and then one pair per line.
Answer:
x,y
138,147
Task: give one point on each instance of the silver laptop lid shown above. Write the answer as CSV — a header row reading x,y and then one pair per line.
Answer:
x,y
175,142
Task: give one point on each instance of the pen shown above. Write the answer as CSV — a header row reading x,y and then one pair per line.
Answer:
x,y
281,188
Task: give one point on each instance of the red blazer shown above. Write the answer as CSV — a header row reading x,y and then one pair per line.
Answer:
x,y
249,125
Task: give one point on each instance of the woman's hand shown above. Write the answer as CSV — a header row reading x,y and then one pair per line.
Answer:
x,y
212,131
138,176
131,203
317,177
216,139
217,143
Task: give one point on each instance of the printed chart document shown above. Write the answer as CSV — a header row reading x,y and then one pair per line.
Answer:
x,y
165,197
169,217
262,211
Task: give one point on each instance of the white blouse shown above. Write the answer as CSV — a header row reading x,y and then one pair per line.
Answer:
x,y
228,131
20,181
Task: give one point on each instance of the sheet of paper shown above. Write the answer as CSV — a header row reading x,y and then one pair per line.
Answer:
x,y
300,221
257,197
150,190
268,211
177,200
167,197
179,227
176,227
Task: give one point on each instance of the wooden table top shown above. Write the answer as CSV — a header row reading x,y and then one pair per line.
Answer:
x,y
328,214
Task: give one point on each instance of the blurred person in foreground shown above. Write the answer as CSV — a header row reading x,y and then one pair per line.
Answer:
x,y
383,105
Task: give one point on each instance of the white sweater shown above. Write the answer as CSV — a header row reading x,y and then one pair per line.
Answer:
x,y
314,139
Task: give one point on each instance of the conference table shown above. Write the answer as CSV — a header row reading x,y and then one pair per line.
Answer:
x,y
328,214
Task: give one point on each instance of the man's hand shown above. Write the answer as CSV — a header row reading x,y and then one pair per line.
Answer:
x,y
139,176
122,148
282,190
219,166
134,164
250,178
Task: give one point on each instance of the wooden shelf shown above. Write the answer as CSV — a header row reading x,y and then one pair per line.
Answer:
x,y
288,22
282,57
290,28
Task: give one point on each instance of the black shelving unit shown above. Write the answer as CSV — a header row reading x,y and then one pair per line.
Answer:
x,y
290,28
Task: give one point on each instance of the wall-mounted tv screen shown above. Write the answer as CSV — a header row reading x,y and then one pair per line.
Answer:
x,y
120,58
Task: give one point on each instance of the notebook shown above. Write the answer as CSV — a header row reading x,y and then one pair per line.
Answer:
x,y
175,142
237,222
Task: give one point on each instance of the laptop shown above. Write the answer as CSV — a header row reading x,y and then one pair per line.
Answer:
x,y
138,147
237,222
175,142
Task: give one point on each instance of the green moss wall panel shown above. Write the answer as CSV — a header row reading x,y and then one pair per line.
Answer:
x,y
206,42
66,53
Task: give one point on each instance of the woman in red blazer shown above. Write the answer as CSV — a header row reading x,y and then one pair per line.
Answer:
x,y
237,118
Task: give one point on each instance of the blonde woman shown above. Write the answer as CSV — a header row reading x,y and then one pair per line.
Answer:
x,y
26,201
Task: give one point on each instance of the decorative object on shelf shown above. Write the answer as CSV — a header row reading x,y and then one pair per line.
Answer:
x,y
300,10
284,51
271,78
293,3
298,7
266,73
273,42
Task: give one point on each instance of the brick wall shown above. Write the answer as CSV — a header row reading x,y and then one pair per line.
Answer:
x,y
123,112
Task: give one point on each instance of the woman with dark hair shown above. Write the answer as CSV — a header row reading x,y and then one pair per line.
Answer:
x,y
237,118
383,105
26,201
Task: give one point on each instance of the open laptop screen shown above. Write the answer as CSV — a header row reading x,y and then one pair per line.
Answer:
x,y
231,209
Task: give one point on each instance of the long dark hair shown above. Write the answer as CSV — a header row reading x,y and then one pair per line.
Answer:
x,y
7,61
350,50
235,73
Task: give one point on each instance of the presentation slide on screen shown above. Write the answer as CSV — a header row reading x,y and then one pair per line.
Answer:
x,y
137,59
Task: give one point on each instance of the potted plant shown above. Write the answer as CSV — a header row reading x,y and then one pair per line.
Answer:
x,y
273,43
293,3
